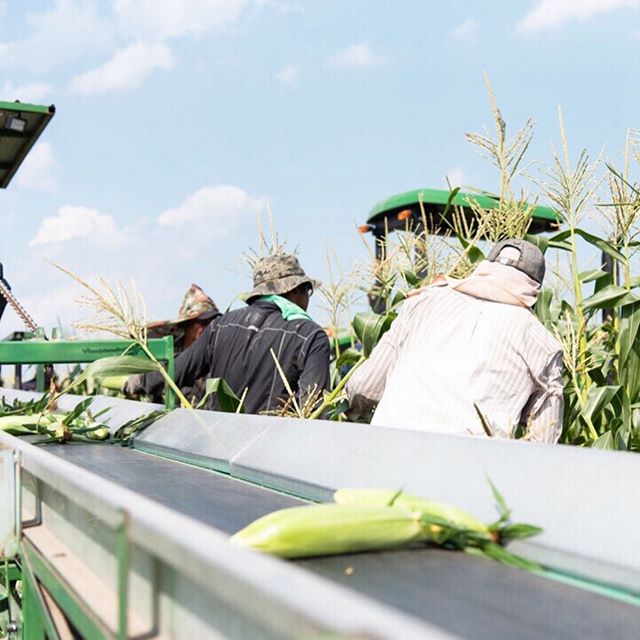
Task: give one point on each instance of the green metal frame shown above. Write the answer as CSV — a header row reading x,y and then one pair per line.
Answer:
x,y
69,351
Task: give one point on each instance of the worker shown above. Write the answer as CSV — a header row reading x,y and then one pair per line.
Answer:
x,y
241,346
196,312
469,357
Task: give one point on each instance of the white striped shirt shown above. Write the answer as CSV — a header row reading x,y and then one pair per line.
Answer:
x,y
448,351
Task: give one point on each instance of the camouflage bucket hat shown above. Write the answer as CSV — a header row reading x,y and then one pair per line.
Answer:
x,y
196,305
278,274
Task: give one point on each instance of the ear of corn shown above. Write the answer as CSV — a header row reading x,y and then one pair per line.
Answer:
x,y
440,515
327,529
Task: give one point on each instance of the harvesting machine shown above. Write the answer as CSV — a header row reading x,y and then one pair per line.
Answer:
x,y
105,541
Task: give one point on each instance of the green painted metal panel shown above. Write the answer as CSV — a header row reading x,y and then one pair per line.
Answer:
x,y
82,618
437,199
78,351
14,144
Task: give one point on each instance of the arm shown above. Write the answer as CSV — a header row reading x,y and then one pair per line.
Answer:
x,y
191,364
315,371
544,411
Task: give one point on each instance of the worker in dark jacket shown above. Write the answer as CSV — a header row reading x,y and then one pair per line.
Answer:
x,y
240,345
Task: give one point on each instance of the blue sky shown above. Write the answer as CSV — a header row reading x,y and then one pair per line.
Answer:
x,y
177,122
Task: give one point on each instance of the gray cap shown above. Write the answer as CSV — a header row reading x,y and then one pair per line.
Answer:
x,y
530,261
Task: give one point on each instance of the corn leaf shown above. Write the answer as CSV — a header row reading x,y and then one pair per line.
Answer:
x,y
593,274
597,399
600,243
348,357
369,327
519,531
611,296
114,366
227,399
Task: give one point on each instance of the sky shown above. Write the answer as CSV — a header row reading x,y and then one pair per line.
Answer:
x,y
178,123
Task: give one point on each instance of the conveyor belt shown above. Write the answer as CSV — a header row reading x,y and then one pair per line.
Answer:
x,y
472,597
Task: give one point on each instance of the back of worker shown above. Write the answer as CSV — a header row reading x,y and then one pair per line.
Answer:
x,y
238,347
469,357
467,353
263,350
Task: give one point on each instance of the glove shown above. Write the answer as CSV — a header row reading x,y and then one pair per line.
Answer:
x,y
134,385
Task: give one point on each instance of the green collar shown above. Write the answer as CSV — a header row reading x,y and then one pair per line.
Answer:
x,y
290,310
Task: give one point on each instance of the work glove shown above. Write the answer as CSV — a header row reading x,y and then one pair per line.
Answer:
x,y
134,385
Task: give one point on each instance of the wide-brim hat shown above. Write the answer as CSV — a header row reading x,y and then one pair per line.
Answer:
x,y
196,305
278,274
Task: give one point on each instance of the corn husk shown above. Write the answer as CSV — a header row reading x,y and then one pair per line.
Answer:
x,y
441,515
328,529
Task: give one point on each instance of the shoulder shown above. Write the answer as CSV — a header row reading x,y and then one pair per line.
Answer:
x,y
538,334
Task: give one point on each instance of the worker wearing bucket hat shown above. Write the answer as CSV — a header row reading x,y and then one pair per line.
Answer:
x,y
240,345
468,357
196,312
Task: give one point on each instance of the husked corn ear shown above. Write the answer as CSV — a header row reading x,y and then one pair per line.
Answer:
x,y
113,383
380,497
327,529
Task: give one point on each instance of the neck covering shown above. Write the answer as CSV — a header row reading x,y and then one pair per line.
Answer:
x,y
290,310
499,283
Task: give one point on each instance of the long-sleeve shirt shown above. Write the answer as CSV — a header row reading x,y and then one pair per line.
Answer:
x,y
237,347
449,357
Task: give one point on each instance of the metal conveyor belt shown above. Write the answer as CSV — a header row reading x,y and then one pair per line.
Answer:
x,y
468,596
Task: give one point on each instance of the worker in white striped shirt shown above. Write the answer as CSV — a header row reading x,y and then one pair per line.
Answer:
x,y
469,357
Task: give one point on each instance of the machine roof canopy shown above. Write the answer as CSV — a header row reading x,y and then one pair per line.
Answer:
x,y
20,126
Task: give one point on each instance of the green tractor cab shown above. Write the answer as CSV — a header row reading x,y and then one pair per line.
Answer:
x,y
20,127
404,210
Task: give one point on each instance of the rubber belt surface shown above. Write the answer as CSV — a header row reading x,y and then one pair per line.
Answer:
x,y
472,597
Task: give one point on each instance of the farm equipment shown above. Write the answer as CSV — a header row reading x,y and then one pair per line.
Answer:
x,y
109,541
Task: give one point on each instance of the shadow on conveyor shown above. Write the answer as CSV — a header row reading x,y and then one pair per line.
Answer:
x,y
471,597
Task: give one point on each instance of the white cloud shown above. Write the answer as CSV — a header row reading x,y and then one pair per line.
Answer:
x,y
36,173
67,32
218,206
467,31
549,14
174,18
32,92
126,70
76,222
356,56
288,74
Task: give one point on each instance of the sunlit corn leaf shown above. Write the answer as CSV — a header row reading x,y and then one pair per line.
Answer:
x,y
611,296
131,428
77,411
541,242
503,509
542,307
629,321
610,440
500,554
600,243
370,327
227,399
593,274
519,531
597,399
